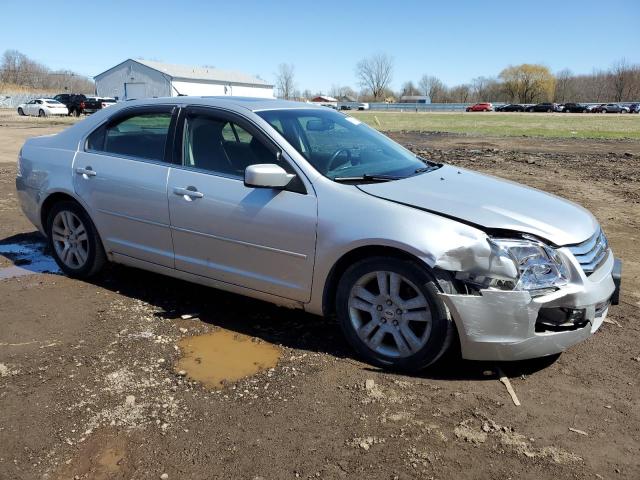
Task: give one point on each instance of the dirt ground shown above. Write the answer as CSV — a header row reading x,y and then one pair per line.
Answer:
x,y
88,387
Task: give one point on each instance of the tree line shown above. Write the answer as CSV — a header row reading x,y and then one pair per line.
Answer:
x,y
525,83
19,72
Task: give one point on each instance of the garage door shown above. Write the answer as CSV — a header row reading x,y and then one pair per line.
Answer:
x,y
135,90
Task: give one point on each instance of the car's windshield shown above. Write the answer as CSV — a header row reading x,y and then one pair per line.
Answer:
x,y
342,147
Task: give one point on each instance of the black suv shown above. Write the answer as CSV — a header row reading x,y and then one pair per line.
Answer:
x,y
512,107
73,101
543,107
574,108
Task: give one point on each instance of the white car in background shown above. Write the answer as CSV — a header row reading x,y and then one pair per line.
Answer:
x,y
43,107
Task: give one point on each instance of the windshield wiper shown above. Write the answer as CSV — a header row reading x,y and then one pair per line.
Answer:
x,y
367,178
431,165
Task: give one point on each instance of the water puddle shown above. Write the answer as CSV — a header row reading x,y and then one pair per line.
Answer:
x,y
27,258
222,357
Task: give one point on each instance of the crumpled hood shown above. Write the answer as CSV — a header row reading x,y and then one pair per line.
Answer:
x,y
491,203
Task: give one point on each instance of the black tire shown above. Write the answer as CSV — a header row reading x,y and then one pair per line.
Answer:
x,y
430,285
41,113
585,110
96,257
549,110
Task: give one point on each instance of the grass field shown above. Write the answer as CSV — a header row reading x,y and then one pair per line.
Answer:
x,y
557,125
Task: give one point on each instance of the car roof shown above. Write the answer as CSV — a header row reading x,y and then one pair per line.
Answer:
x,y
249,103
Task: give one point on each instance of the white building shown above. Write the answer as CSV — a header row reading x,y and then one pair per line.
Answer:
x,y
144,78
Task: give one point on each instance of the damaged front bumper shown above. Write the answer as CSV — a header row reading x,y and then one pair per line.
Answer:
x,y
512,325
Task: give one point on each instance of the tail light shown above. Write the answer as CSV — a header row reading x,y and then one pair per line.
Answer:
x,y
104,105
81,104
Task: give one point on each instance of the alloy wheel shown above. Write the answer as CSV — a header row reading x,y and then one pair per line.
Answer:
x,y
390,314
70,239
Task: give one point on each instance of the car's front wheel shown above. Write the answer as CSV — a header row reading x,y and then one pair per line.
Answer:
x,y
391,313
21,112
42,113
74,241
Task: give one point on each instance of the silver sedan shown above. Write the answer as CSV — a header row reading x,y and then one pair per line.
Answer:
x,y
305,207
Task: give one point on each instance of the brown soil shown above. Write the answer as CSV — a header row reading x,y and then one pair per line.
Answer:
x,y
88,386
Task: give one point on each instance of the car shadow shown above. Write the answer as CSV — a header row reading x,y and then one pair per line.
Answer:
x,y
278,325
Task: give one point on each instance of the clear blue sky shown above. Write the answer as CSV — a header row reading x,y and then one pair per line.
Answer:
x,y
455,40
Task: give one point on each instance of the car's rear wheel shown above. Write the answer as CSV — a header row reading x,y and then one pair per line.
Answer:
x,y
391,313
623,111
549,110
74,241
21,112
604,110
585,110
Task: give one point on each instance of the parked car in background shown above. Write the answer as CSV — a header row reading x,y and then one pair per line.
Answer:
x,y
42,107
512,107
544,107
613,108
353,106
595,108
73,101
634,108
574,108
79,104
280,200
93,104
480,107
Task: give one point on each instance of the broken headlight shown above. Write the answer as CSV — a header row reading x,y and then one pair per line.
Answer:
x,y
536,266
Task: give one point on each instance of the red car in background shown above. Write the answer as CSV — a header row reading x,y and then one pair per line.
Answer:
x,y
480,107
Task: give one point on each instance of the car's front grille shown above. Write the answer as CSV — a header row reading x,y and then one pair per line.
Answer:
x,y
592,252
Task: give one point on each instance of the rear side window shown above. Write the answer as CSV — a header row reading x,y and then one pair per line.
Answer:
x,y
142,135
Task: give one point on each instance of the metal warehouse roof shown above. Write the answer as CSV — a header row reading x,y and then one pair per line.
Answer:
x,y
199,73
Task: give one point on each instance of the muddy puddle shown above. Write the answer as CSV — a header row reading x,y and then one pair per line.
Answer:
x,y
26,259
223,357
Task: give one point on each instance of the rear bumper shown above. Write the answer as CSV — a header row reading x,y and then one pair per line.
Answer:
x,y
505,325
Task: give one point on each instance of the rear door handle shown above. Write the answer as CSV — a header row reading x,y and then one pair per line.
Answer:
x,y
89,172
189,192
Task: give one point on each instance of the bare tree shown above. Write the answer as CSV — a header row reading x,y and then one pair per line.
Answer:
x,y
460,93
432,87
409,89
564,86
285,80
18,70
338,91
374,73
624,80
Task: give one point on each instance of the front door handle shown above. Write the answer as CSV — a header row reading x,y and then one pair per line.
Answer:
x,y
88,171
188,193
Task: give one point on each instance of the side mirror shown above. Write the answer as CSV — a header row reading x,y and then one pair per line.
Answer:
x,y
266,175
